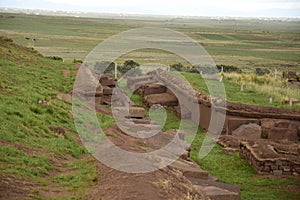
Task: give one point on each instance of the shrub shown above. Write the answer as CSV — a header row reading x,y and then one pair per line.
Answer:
x,y
261,72
127,68
229,68
6,39
77,61
55,58
177,67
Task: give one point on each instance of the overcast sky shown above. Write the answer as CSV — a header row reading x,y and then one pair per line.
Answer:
x,y
235,8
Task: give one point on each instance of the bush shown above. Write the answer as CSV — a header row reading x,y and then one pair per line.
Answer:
x,y
205,69
261,72
77,61
55,58
127,68
177,67
229,69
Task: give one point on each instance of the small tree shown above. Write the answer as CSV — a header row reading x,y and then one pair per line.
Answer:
x,y
130,68
177,67
261,71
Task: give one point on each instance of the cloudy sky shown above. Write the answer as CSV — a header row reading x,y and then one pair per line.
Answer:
x,y
243,8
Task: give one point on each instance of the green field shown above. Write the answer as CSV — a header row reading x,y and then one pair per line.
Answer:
x,y
246,43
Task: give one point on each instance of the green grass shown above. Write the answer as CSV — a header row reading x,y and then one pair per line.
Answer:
x,y
250,95
105,120
15,161
215,37
27,142
137,99
80,175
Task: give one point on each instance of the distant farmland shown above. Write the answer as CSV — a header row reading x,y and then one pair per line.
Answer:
x,y
244,43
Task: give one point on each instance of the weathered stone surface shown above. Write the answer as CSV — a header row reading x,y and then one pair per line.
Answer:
x,y
268,124
154,89
107,81
107,90
278,134
283,124
133,80
216,193
277,172
233,123
141,121
190,170
229,141
137,112
229,151
248,131
164,99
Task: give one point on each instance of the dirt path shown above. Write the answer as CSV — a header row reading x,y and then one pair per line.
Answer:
x,y
166,183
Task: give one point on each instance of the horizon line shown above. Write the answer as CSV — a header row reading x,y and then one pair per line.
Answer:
x,y
125,14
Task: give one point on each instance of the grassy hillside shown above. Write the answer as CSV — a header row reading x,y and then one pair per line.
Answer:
x,y
39,146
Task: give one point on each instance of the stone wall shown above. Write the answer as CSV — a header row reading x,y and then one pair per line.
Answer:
x,y
236,114
272,158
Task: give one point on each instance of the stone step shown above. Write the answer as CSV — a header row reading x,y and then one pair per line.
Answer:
x,y
216,193
190,169
213,182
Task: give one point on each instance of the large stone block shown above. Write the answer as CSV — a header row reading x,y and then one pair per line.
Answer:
x,y
154,89
164,99
248,131
137,112
216,193
107,81
190,170
234,123
279,134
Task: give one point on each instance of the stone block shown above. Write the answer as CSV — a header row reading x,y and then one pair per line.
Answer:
x,y
137,112
287,173
277,172
234,123
278,162
190,171
107,81
164,99
229,151
286,169
274,167
248,131
107,90
154,89
279,134
216,193
266,169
